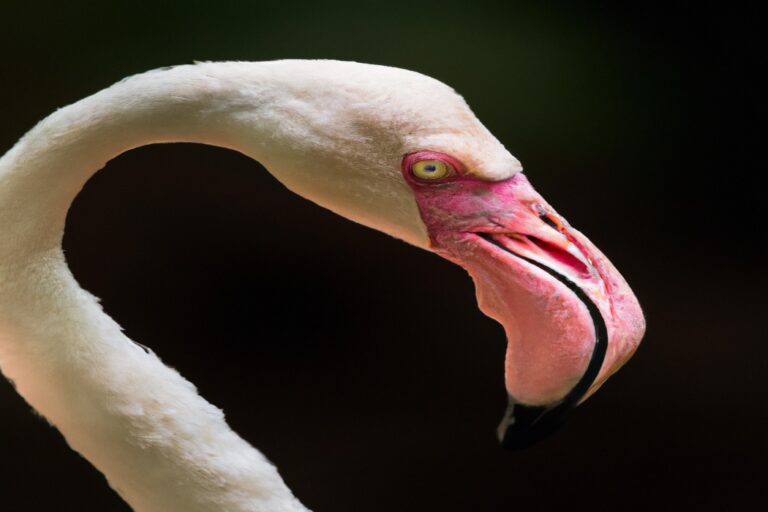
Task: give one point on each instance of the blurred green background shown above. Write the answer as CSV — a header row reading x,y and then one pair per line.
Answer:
x,y
638,122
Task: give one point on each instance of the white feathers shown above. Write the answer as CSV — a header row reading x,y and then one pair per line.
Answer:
x,y
331,131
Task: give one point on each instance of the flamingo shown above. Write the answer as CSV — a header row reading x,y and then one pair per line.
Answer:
x,y
388,148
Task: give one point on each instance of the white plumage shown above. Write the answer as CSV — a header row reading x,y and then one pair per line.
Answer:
x,y
333,132
349,137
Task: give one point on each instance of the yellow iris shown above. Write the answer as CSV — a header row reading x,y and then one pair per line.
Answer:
x,y
430,169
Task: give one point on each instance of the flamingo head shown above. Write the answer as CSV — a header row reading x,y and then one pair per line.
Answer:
x,y
403,153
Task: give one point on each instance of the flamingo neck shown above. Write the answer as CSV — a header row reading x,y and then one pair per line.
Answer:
x,y
41,175
161,446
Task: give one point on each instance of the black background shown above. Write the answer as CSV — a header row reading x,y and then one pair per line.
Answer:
x,y
361,366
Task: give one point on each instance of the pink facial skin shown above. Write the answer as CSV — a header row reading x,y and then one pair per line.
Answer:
x,y
550,334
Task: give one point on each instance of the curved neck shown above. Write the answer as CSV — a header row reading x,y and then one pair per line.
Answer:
x,y
42,174
161,446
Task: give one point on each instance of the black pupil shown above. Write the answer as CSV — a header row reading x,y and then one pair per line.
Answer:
x,y
430,168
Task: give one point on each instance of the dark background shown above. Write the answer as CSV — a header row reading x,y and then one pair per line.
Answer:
x,y
360,365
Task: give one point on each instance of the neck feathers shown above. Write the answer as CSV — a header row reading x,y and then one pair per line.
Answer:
x,y
161,446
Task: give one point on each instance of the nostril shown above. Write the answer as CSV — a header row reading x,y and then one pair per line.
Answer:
x,y
549,221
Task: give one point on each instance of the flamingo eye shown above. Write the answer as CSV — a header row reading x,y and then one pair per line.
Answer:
x,y
431,169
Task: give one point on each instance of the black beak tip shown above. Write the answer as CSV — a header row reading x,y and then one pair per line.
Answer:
x,y
524,426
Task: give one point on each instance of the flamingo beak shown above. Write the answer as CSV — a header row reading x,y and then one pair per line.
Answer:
x,y
570,318
524,425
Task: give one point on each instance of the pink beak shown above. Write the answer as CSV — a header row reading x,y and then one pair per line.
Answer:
x,y
570,318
